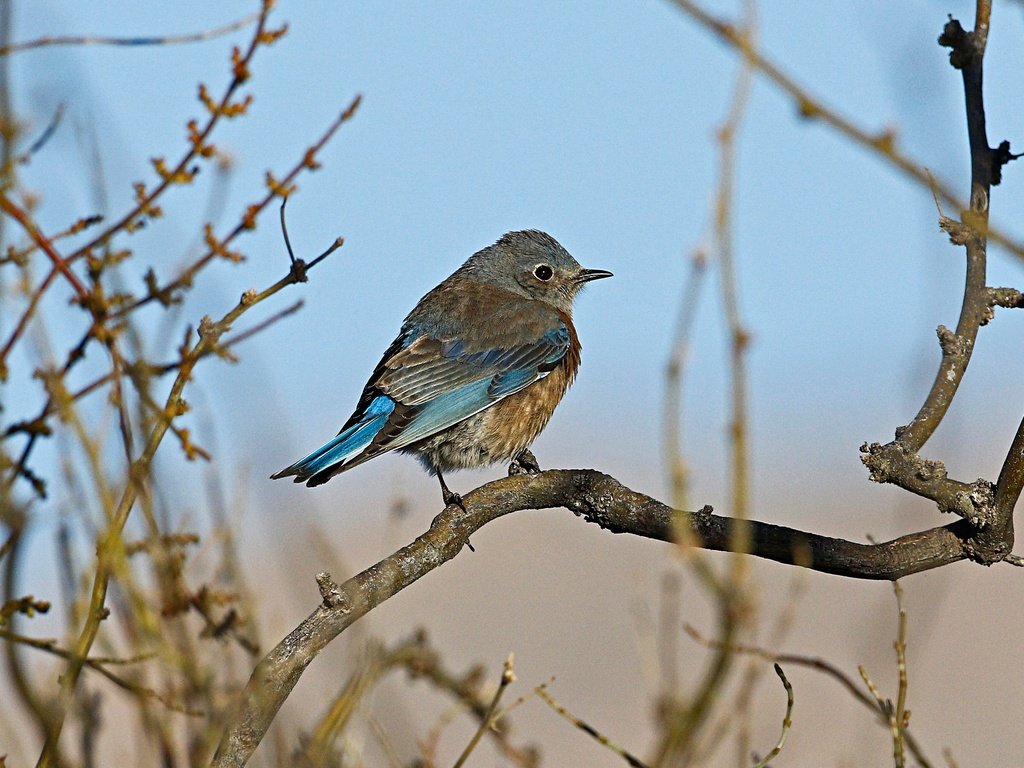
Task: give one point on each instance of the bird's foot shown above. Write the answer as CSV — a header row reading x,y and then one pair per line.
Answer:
x,y
524,464
451,497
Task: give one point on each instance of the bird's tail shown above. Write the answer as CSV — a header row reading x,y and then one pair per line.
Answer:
x,y
330,459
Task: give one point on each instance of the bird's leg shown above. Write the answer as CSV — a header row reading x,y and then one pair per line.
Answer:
x,y
450,497
524,463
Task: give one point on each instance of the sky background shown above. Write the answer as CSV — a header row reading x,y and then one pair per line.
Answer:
x,y
596,125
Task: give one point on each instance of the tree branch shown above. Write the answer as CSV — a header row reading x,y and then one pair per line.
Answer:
x,y
987,506
595,497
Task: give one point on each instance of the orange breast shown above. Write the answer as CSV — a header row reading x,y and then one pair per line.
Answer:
x,y
513,424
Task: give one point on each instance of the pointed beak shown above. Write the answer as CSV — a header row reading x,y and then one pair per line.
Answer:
x,y
586,275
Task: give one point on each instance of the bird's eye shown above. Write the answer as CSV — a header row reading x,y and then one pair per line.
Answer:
x,y
543,272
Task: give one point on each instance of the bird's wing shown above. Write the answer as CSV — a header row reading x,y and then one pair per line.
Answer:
x,y
436,383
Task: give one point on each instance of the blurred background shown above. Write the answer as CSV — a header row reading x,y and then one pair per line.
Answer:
x,y
597,125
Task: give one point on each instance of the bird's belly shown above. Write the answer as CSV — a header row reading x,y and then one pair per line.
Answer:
x,y
498,433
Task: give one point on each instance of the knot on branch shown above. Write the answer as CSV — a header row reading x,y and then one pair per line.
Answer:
x,y
1001,155
951,344
959,232
1009,298
331,593
991,545
894,463
963,49
297,273
210,331
975,503
592,498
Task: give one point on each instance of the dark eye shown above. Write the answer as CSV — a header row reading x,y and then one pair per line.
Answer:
x,y
543,272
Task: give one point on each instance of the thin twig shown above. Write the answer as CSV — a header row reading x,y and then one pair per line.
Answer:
x,y
900,716
787,721
59,262
45,136
193,37
675,380
508,677
99,664
631,759
198,137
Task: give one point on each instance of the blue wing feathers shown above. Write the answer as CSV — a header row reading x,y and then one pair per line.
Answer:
x,y
348,442
442,412
510,382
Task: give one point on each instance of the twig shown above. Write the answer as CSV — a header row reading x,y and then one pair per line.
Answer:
x,y
600,738
900,716
193,37
59,262
218,247
675,380
99,664
299,267
685,720
45,136
508,677
198,137
787,721
385,742
738,335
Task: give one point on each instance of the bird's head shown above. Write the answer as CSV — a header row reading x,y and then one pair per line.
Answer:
x,y
532,264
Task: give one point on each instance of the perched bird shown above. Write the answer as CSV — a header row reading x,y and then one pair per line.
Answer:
x,y
476,371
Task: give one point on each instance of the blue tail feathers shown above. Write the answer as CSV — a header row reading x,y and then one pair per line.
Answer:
x,y
317,467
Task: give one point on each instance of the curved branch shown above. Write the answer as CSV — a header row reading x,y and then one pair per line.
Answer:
x,y
594,496
967,54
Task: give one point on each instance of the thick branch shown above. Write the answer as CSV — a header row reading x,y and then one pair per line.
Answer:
x,y
597,498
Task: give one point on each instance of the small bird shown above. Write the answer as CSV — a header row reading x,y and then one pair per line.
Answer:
x,y
476,371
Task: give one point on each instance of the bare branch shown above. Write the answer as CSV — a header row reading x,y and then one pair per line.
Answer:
x,y
597,498
987,506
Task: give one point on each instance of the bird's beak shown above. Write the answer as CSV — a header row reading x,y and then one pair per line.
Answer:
x,y
586,275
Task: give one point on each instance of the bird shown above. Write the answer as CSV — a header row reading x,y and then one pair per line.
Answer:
x,y
476,370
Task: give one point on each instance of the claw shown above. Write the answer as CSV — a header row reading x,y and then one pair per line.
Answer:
x,y
450,497
524,464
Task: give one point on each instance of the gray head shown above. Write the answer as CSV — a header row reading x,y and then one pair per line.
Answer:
x,y
532,264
